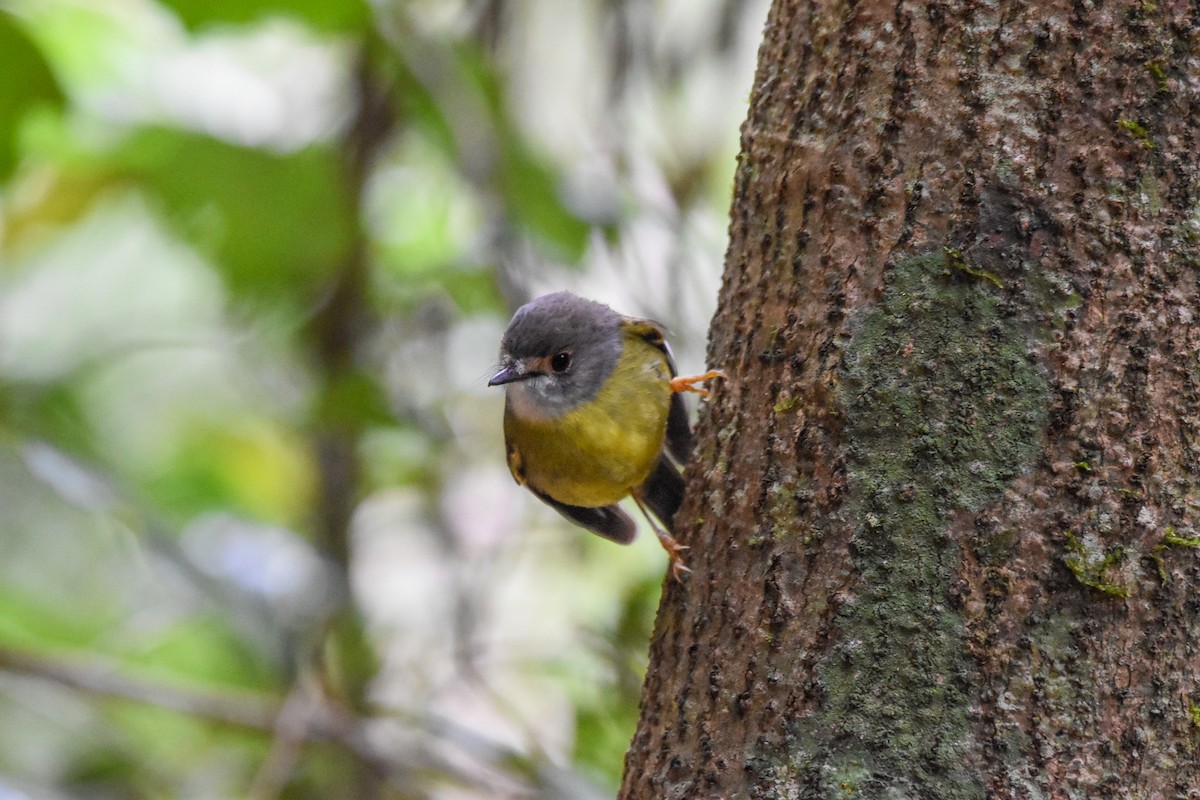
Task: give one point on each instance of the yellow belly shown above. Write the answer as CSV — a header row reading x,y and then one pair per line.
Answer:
x,y
596,454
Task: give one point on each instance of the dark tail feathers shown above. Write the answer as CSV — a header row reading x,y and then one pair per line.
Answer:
x,y
663,491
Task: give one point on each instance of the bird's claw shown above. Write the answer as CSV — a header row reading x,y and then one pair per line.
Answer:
x,y
687,383
679,570
674,548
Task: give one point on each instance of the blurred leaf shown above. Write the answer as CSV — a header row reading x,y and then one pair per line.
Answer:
x,y
605,717
338,16
323,774
475,291
350,658
82,40
422,214
423,235
603,729
27,622
459,101
606,714
205,650
353,400
159,754
72,178
419,105
64,198
136,751
529,185
396,456
273,223
634,626
50,411
26,82
532,191
102,770
255,469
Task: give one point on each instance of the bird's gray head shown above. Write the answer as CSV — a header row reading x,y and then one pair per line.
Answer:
x,y
556,354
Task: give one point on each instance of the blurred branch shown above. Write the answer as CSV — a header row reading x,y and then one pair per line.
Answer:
x,y
320,720
307,717
98,677
341,654
342,320
296,716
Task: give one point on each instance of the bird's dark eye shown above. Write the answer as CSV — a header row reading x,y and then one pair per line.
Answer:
x,y
561,361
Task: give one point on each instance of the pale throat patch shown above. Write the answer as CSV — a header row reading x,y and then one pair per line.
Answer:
x,y
536,400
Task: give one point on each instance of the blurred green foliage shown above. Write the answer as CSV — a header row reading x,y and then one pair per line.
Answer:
x,y
255,259
348,16
276,225
29,86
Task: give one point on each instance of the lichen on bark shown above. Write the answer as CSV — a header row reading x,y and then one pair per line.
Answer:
x,y
943,407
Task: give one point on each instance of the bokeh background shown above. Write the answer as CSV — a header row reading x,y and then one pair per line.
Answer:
x,y
257,538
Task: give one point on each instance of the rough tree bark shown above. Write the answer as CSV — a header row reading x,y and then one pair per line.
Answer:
x,y
945,516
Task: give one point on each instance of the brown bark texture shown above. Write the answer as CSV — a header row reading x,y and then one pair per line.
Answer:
x,y
944,516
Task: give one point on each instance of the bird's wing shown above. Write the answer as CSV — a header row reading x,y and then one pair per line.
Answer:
x,y
662,492
608,521
679,429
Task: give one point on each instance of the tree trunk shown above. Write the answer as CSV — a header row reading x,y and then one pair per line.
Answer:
x,y
944,516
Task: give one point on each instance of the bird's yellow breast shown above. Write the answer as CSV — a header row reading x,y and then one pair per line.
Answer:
x,y
596,453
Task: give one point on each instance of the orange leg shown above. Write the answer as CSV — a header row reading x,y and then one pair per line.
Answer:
x,y
687,383
673,548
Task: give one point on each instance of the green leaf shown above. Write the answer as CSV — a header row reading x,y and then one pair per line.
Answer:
x,y
253,468
337,16
397,456
26,83
204,651
532,192
418,104
463,100
27,622
528,183
352,400
423,217
273,223
51,411
474,291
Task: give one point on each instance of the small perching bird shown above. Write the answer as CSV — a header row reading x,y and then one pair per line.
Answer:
x,y
592,415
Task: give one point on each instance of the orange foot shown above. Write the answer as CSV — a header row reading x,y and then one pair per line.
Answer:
x,y
687,383
673,548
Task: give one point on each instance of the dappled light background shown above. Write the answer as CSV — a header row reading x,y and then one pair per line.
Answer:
x,y
255,260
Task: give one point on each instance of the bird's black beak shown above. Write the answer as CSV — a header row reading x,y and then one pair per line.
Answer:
x,y
510,374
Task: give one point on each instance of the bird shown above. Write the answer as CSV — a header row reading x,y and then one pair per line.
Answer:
x,y
593,414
